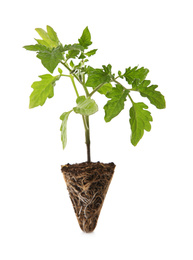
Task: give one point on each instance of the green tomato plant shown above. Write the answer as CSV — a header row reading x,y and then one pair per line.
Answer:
x,y
74,59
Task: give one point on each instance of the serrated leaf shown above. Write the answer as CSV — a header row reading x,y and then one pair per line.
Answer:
x,y
52,34
85,106
116,104
135,73
90,53
63,128
96,77
42,90
85,39
36,47
46,37
72,54
50,58
82,56
43,43
107,69
76,46
105,88
155,97
139,121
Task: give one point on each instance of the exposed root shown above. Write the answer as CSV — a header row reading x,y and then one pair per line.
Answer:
x,y
87,184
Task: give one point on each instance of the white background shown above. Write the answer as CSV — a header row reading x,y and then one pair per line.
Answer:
x,y
148,211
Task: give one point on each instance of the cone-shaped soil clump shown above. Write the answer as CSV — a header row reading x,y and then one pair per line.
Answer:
x,y
87,184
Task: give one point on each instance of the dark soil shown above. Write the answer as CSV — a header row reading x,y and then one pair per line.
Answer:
x,y
87,184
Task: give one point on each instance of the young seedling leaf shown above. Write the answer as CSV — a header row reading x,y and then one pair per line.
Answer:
x,y
52,41
72,64
107,87
50,58
107,69
132,74
60,70
63,128
70,47
85,39
154,96
72,54
97,77
139,121
82,56
42,90
85,106
90,53
116,104
52,34
43,43
36,47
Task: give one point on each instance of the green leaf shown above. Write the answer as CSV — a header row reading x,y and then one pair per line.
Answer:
x,y
85,39
36,47
105,88
155,97
60,70
72,54
50,58
70,47
42,90
63,128
82,56
49,38
85,106
133,74
90,53
52,34
107,69
97,77
116,104
43,43
139,121
120,74
73,50
72,64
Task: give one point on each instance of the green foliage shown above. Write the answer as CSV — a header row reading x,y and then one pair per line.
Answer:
x,y
50,58
85,106
63,128
139,121
97,77
114,106
42,90
135,73
49,38
74,58
154,96
85,39
105,88
90,53
36,47
73,47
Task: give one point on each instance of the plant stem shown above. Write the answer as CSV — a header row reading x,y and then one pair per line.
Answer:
x,y
131,99
87,138
74,85
66,66
125,88
86,125
97,88
85,118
